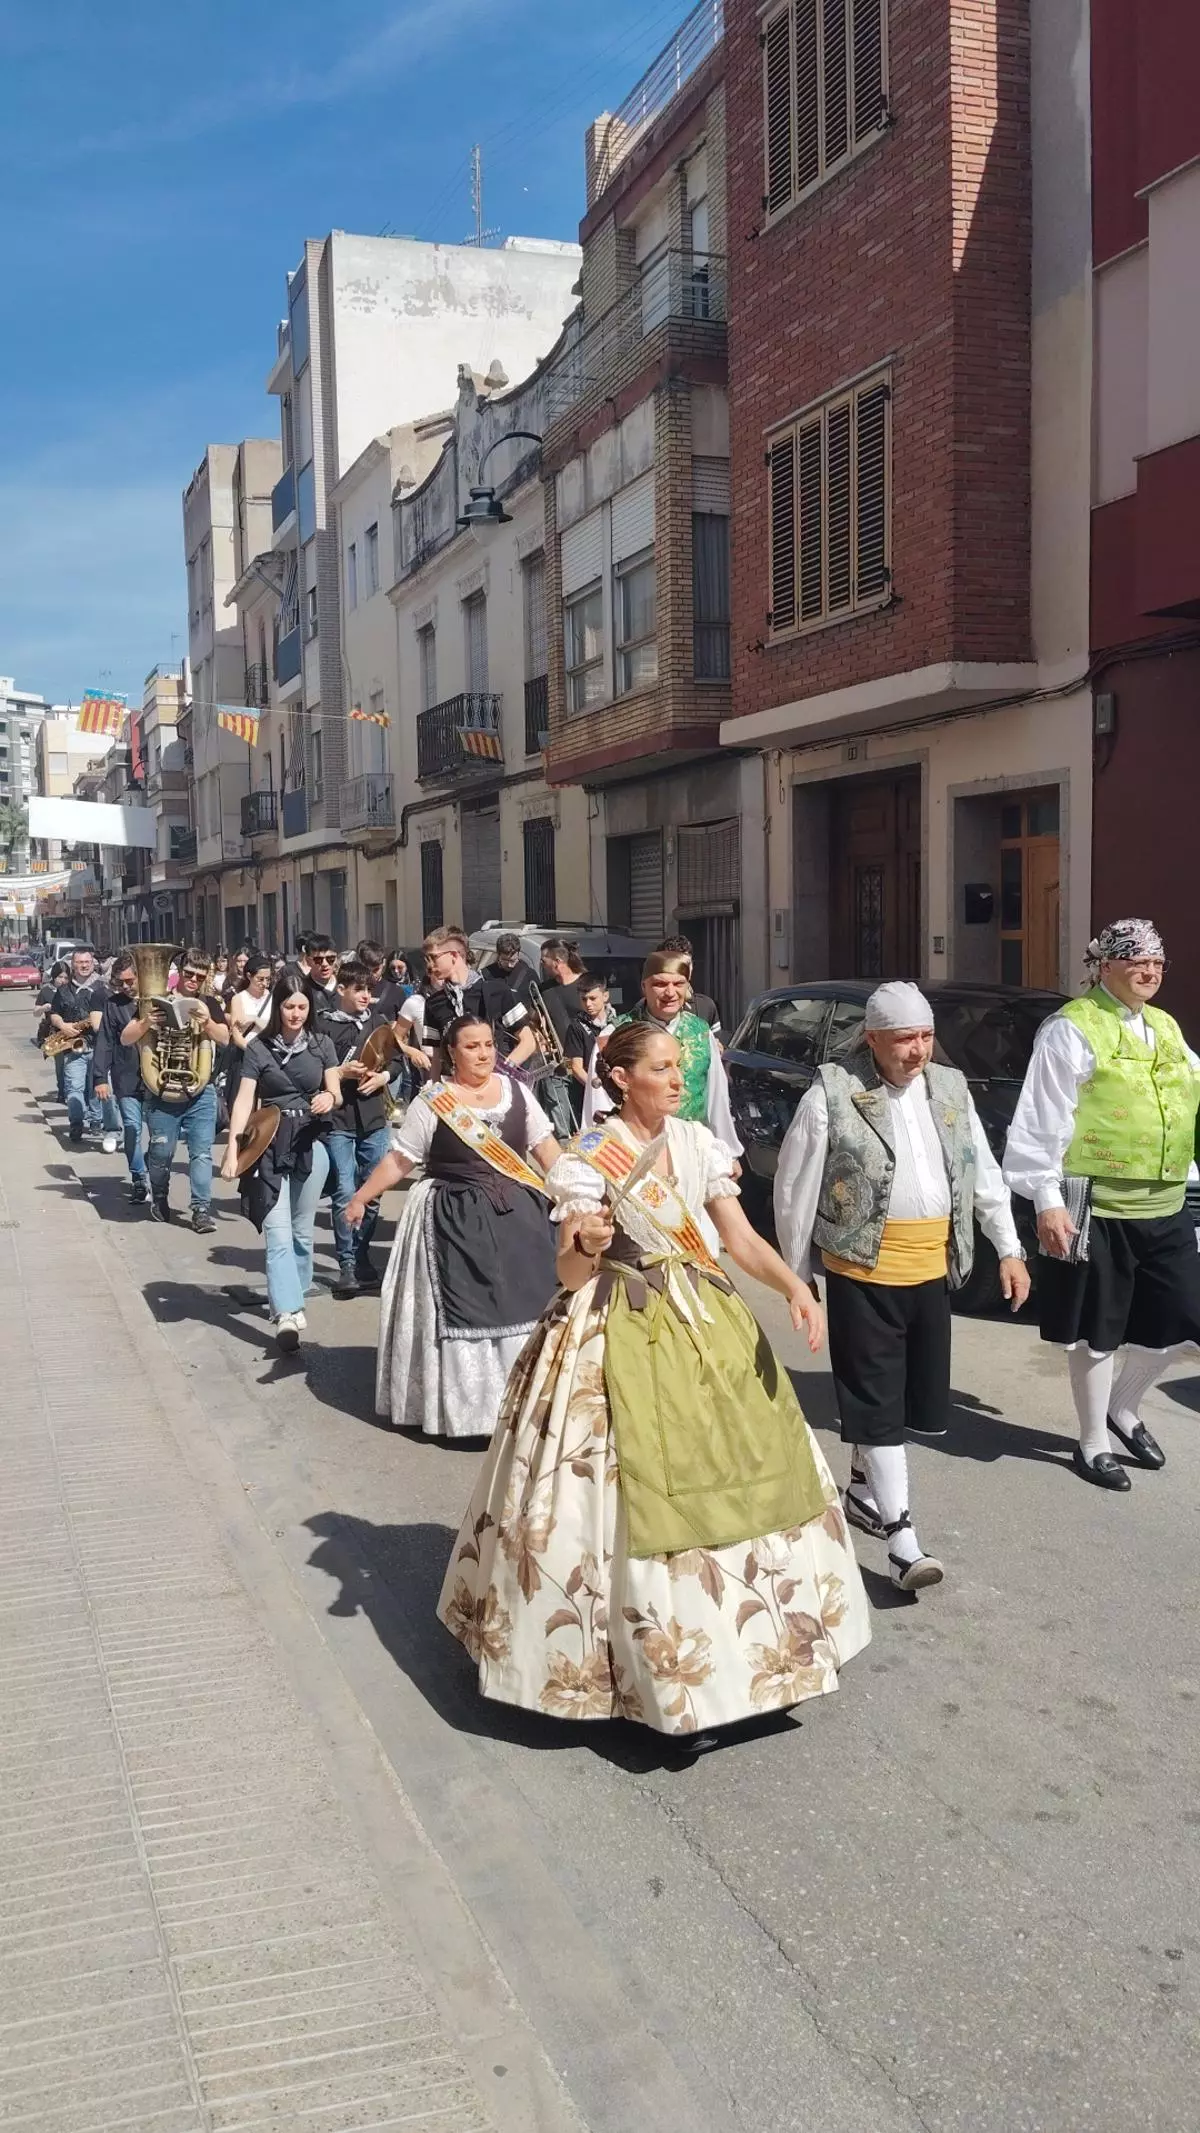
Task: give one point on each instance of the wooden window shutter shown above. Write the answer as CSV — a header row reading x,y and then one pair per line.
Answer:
x,y
835,81
778,111
809,486
808,94
868,41
871,559
838,508
783,534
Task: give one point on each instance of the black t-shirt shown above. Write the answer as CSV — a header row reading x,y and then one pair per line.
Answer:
x,y
581,1036
116,1063
701,1005
280,1081
496,1004
562,1006
390,997
73,1002
359,1114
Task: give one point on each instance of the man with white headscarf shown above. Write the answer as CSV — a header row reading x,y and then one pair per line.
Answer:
x,y
1101,1141
886,1169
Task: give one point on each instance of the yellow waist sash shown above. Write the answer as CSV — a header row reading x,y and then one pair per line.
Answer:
x,y
908,1253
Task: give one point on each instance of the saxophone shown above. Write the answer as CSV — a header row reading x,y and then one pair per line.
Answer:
x,y
175,1063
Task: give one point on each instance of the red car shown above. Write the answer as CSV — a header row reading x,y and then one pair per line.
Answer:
x,y
17,971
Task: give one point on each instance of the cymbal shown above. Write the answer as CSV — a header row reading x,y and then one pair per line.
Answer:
x,y
380,1049
261,1128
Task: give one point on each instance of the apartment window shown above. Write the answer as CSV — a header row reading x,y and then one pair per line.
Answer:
x,y
584,641
318,763
824,91
710,596
427,659
431,887
637,642
310,611
371,559
830,511
533,588
373,922
352,575
475,626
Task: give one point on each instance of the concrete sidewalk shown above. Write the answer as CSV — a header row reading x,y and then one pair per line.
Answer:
x,y
218,1910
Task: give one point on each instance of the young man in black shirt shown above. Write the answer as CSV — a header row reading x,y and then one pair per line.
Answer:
x,y
320,981
117,1069
195,1121
594,1020
457,990
359,1134
76,1010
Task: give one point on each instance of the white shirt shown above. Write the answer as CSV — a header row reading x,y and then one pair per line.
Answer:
x,y
415,1137
1043,1123
920,1187
249,1011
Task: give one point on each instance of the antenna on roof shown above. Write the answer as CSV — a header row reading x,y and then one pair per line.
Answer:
x,y
479,236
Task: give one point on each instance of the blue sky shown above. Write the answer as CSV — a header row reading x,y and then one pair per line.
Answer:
x,y
161,167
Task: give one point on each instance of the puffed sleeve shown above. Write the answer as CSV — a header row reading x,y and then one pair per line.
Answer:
x,y
414,1137
718,1160
576,1187
537,1125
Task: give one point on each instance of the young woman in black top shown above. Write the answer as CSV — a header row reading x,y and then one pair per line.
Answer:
x,y
291,1066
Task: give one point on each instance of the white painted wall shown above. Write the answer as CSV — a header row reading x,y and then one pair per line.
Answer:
x,y
1173,361
1122,295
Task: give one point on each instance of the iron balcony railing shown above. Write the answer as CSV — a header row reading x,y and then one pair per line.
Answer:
x,y
283,498
698,34
537,714
258,814
671,285
257,693
463,734
368,802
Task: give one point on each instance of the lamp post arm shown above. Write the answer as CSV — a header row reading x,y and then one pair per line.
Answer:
x,y
531,437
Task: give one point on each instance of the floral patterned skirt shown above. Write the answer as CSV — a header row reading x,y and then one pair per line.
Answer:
x,y
560,1618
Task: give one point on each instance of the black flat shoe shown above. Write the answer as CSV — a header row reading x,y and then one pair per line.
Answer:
x,y
1139,1444
1104,1470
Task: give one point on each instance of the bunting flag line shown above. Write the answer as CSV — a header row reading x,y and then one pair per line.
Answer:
x,y
476,741
370,718
242,723
101,713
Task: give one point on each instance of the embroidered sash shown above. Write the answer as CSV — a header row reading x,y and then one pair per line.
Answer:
x,y
474,1131
655,1196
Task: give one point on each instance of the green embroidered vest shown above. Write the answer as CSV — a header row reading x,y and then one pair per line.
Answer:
x,y
1135,1120
860,1162
695,1058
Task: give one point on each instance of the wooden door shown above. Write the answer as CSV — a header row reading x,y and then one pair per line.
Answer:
x,y
875,870
1042,899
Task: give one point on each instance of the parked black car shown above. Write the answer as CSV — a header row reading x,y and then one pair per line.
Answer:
x,y
986,1031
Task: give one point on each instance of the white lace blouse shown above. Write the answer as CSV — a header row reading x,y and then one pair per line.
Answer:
x,y
414,1137
702,1166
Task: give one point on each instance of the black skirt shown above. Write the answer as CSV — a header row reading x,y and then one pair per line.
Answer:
x,y
1140,1284
491,1257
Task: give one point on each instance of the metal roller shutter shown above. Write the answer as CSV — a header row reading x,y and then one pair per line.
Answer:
x,y
710,486
708,858
646,886
633,518
582,550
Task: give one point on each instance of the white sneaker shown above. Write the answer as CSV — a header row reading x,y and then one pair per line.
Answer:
x,y
287,1332
301,1321
110,1144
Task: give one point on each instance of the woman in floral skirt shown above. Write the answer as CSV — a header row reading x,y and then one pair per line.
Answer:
x,y
655,1534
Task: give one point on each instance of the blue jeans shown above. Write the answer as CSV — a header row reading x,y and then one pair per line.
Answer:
x,y
197,1122
288,1235
352,1160
84,1107
130,1108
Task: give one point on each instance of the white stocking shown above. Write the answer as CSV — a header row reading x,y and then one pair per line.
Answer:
x,y
1141,1369
1091,1379
887,1471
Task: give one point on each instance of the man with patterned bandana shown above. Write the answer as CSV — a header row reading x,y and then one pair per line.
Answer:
x,y
886,1169
1102,1141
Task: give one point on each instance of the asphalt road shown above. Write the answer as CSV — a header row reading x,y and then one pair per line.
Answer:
x,y
961,1894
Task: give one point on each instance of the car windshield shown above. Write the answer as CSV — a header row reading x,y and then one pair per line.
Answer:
x,y
16,962
989,1040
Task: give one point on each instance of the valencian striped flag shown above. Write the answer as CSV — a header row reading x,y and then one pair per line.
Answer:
x,y
243,723
370,718
101,713
477,741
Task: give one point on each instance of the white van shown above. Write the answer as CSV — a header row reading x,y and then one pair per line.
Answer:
x,y
615,957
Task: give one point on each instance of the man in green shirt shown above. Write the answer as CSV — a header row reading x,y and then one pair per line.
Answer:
x,y
1101,1141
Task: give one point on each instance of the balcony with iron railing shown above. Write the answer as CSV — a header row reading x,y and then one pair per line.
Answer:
x,y
259,815
368,801
459,737
257,692
698,34
537,714
675,304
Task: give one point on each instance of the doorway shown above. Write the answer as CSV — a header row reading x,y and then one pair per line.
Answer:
x,y
1029,889
875,877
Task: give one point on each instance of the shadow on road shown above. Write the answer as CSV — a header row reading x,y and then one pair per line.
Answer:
x,y
1184,1391
976,1430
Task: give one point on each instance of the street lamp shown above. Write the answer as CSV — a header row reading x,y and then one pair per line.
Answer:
x,y
484,508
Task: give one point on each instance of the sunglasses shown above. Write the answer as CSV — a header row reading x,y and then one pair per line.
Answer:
x,y
321,957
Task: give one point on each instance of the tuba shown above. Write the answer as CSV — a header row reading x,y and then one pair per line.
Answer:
x,y
176,1064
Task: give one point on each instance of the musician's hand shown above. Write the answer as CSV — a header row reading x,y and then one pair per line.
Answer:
x,y
321,1103
201,1020
593,1235
371,1084
807,1316
229,1166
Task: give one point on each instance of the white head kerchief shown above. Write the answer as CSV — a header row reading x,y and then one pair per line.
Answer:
x,y
898,1006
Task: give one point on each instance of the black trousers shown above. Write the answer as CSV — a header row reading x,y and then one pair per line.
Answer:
x,y
1140,1283
890,1353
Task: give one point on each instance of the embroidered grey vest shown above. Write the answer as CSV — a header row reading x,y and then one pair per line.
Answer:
x,y
861,1162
